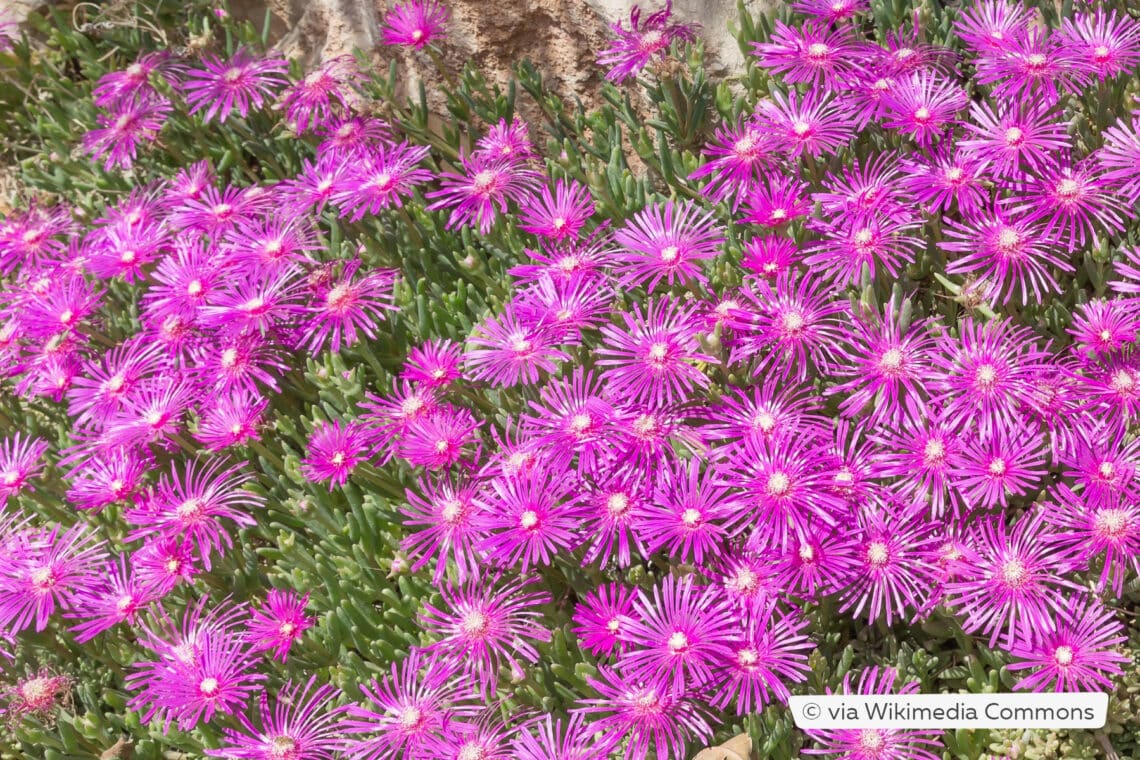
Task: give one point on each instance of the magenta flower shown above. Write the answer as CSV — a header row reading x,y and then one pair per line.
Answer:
x,y
793,328
1076,651
771,651
611,511
440,440
1011,589
1086,530
888,366
646,715
210,671
233,419
737,158
770,257
788,488
831,11
1105,45
604,617
678,635
1073,201
416,23
555,740
42,570
811,124
986,373
326,90
692,516
559,215
1003,464
507,351
334,452
1032,66
386,176
135,122
651,360
191,505
572,414
632,49
1007,250
923,106
665,242
435,364
303,725
506,141
443,527
941,179
405,710
776,203
486,624
163,563
110,477
1104,327
814,53
241,83
918,457
279,624
20,462
854,242
1119,157
117,596
768,412
346,306
1014,138
892,574
990,27
484,190
876,743
529,520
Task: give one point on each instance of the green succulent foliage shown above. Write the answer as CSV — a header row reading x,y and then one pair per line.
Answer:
x,y
343,546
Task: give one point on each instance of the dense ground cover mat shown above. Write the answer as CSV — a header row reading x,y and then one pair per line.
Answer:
x,y
485,425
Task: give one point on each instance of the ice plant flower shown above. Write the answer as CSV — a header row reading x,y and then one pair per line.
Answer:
x,y
415,23
652,359
1075,652
280,623
303,725
648,714
666,243
484,624
242,83
335,450
634,48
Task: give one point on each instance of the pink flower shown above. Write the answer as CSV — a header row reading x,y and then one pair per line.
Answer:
x,y
404,710
20,462
304,725
814,53
652,359
649,714
604,618
279,624
485,624
632,49
334,452
241,83
558,216
1076,651
42,570
416,23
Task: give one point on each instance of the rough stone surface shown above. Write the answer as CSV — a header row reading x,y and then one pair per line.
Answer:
x,y
561,37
